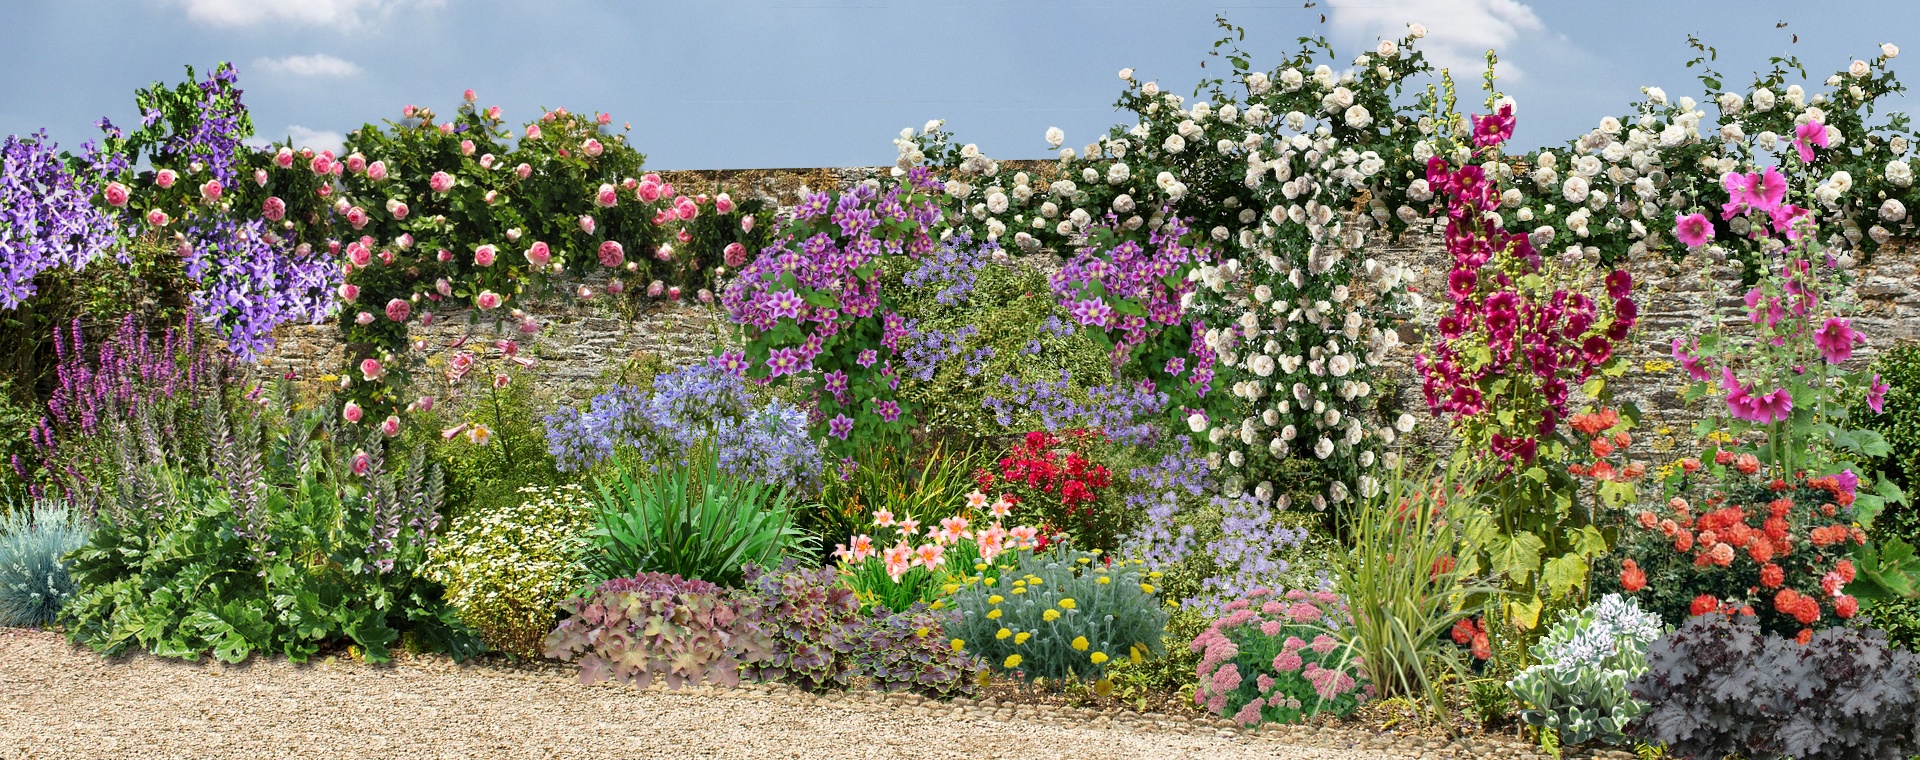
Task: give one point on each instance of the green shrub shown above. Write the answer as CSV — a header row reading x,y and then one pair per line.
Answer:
x,y
488,478
1899,368
1170,673
1275,658
1058,615
695,521
655,625
1403,585
1578,684
507,569
34,583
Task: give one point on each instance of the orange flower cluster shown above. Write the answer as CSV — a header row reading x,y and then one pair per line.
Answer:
x,y
1604,444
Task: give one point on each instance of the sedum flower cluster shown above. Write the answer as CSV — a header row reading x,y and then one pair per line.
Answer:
x,y
1274,657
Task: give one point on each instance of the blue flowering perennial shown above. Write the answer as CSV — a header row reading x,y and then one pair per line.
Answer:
x,y
47,217
688,409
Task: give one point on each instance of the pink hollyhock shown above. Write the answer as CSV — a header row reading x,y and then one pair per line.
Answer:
x,y
440,182
398,310
1807,135
1877,394
1836,339
1693,229
611,254
1493,129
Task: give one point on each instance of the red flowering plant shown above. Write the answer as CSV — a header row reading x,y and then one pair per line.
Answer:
x,y
1758,545
1058,483
1523,333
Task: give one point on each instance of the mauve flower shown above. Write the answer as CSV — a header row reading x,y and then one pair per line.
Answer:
x,y
484,255
1692,229
273,208
1836,339
351,412
441,182
211,190
165,178
397,310
488,300
377,171
539,254
611,254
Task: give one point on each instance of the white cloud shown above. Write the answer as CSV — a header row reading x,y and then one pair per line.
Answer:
x,y
1459,32
319,65
302,137
339,13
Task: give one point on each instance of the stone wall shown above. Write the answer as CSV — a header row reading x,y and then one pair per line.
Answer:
x,y
586,341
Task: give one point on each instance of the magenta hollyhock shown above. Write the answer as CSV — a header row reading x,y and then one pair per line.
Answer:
x,y
1692,229
1877,394
1807,135
1836,340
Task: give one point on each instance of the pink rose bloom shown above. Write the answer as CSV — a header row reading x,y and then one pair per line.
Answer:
x,y
441,182
447,128
359,255
466,147
284,159
615,287
685,208
705,295
386,256
493,112
1693,229
484,255
390,426
648,191
533,131
723,204
397,310
746,224
486,161
321,164
211,190
377,171
324,191
1836,340
444,255
611,254
586,224
357,217
592,147
467,96
371,370
605,118
165,178
405,240
349,291
734,255
539,254
362,464
488,300
426,319
605,197
397,208
683,236
443,287
260,177
673,293
491,196
356,163
529,327
656,288
524,170
351,412
662,217
116,194
663,253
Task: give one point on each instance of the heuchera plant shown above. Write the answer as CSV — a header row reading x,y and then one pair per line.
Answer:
x,y
1272,657
634,630
811,620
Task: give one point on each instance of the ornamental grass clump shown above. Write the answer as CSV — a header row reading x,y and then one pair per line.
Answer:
x,y
1579,685
694,520
34,583
1059,615
508,568
656,625
1275,658
1720,686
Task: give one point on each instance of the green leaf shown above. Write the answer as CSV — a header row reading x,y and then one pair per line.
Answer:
x,y
1588,541
1563,574
1516,556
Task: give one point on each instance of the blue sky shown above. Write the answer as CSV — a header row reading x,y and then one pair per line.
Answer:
x,y
789,83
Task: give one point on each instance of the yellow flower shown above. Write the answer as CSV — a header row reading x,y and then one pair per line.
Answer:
x,y
990,581
993,614
958,644
922,633
977,566
1134,653
1103,686
1021,637
1002,634
996,599
1017,590
1147,587
1067,603
938,603
1050,615
1099,657
1013,661
1080,644
1155,574
1084,560
1103,580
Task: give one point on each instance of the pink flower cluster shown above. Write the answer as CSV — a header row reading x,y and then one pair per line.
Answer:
x,y
1509,348
1256,665
903,556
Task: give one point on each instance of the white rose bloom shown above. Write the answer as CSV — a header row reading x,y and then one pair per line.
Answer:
x,y
1340,365
1165,180
1859,69
1066,154
1258,84
1419,190
1277,447
1049,209
1323,448
1731,103
1842,181
1731,132
1796,96
1416,31
1575,190
1762,99
1079,217
1357,117
1900,173
1262,365
1587,166
1196,422
1898,145
997,203
1055,137
1291,79
1174,144
1889,50
1655,95
1123,203
1126,73
1673,136
1767,140
1404,423
1342,97
1893,210
1150,89
1090,175
1387,49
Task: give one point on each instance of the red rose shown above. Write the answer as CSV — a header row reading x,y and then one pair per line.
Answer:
x,y
1703,604
1846,607
1632,578
1771,576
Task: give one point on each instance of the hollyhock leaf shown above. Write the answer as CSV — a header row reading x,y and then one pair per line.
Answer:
x,y
1563,574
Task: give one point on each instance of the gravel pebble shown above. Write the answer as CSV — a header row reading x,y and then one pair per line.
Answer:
x,y
64,702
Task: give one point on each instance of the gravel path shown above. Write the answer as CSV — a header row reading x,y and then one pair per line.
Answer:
x,y
68,703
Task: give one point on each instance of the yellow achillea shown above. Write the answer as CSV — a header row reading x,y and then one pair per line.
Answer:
x,y
993,614
958,645
1050,615
1080,644
1021,637
1067,603
996,599
1099,657
1002,634
1013,661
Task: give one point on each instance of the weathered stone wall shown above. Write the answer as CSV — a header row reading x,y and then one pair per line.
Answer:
x,y
584,341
